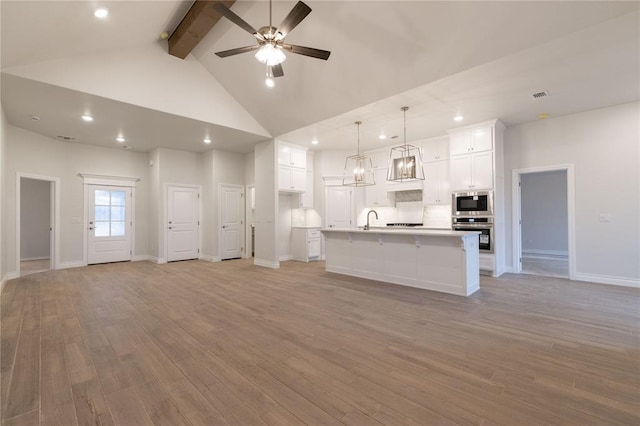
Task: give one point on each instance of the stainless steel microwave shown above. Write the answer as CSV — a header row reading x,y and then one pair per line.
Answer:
x,y
478,203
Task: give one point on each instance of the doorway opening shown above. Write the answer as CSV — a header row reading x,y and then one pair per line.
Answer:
x,y
37,224
544,221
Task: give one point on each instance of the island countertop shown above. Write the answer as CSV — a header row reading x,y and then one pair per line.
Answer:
x,y
440,260
404,231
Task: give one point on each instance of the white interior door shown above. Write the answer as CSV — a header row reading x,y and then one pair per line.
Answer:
x,y
183,223
110,224
231,221
339,207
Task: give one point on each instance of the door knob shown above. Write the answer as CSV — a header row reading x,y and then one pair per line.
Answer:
x,y
91,228
170,227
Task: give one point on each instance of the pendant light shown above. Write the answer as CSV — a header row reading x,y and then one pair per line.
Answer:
x,y
358,169
405,161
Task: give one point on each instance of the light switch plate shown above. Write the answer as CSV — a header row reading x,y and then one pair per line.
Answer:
x,y
604,217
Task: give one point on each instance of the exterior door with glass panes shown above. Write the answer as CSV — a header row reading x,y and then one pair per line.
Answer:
x,y
110,223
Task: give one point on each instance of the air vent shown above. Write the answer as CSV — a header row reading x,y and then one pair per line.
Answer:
x,y
539,95
66,138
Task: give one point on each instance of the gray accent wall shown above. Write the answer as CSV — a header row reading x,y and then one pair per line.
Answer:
x,y
35,218
544,213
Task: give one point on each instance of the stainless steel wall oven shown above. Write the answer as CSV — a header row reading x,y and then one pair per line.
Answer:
x,y
484,225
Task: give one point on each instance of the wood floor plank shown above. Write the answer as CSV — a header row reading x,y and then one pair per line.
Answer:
x,y
126,409
231,343
31,418
91,407
158,403
23,394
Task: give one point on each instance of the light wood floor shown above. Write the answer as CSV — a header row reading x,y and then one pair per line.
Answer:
x,y
546,266
229,343
29,267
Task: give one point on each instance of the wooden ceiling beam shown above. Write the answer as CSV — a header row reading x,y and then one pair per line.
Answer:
x,y
194,27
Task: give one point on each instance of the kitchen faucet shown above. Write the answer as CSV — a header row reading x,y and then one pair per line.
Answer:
x,y
366,227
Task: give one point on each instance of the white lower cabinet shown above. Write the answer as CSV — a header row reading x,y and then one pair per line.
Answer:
x,y
306,244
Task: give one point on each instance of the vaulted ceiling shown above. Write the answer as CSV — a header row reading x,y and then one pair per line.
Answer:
x,y
479,59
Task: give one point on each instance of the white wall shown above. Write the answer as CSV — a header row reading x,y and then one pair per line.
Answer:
x,y
36,154
603,145
284,225
266,251
35,219
544,213
173,167
3,198
219,167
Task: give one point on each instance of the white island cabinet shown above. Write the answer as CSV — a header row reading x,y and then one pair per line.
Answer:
x,y
445,261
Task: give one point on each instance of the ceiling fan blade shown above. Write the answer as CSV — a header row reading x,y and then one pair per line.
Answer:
x,y
307,51
277,70
237,51
295,16
230,15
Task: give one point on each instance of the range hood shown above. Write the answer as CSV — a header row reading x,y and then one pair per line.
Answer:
x,y
414,185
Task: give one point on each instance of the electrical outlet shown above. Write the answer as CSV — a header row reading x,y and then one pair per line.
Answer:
x,y
604,217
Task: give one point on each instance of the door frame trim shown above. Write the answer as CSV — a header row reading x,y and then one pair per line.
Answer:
x,y
165,229
517,206
242,215
54,206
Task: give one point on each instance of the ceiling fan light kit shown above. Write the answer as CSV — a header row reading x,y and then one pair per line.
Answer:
x,y
405,161
358,169
270,40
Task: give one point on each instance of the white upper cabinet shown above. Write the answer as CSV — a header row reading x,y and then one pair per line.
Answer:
x,y
379,159
437,187
468,141
436,149
377,195
292,155
472,172
292,172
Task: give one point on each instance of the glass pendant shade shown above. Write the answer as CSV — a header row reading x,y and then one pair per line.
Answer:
x,y
358,169
270,54
405,161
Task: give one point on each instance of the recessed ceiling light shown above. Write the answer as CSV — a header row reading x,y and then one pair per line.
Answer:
x,y
458,118
315,141
120,139
382,136
207,140
35,118
87,117
101,13
543,115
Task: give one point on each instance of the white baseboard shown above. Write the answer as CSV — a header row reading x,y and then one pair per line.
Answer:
x,y
285,257
209,258
266,263
73,264
28,259
544,254
158,260
140,258
604,279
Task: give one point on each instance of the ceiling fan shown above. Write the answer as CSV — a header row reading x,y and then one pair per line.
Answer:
x,y
270,39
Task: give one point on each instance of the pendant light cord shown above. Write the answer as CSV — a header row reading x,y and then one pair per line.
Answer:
x,y
358,123
404,110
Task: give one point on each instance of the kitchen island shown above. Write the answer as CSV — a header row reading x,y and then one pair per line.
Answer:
x,y
445,261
